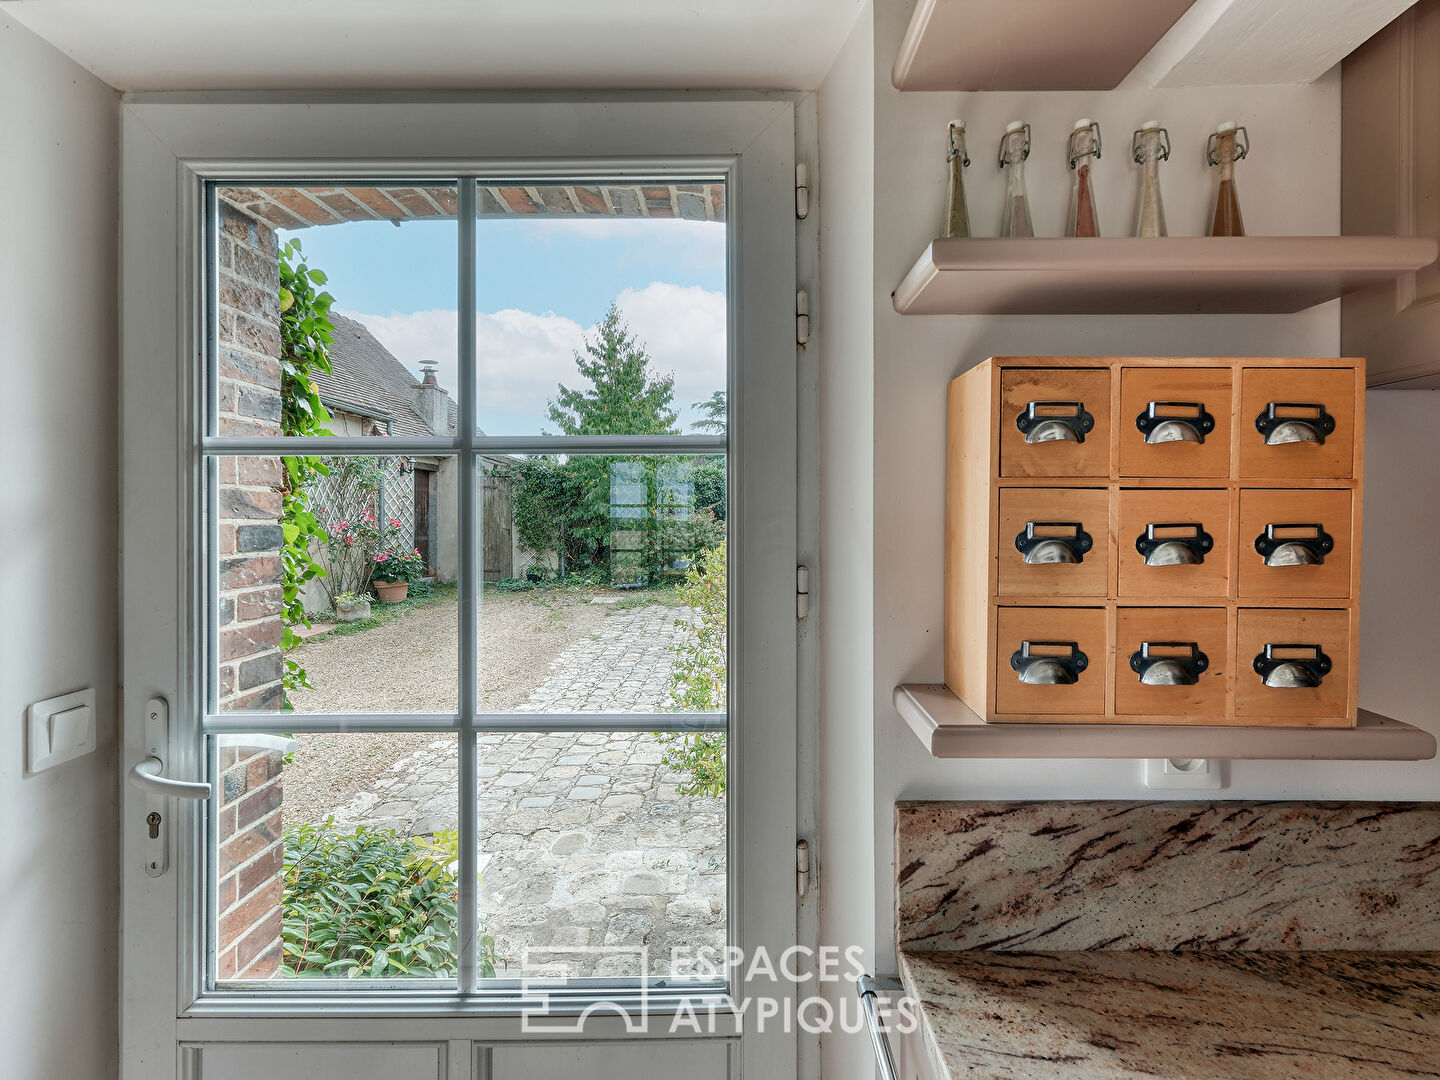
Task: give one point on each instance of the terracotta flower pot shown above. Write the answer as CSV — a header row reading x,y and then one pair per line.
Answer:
x,y
391,592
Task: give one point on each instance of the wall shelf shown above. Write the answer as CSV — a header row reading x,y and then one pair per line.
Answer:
x,y
1166,276
949,729
1029,44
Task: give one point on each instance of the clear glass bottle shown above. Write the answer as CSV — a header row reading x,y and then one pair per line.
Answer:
x,y
957,213
1149,147
1082,150
1228,145
1014,149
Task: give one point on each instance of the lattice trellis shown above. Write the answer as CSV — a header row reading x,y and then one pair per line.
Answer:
x,y
356,486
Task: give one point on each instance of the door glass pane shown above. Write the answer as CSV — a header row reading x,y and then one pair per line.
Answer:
x,y
602,854
336,857
340,535
605,584
337,309
601,307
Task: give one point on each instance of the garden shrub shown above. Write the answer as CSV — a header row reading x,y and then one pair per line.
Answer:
x,y
698,682
372,903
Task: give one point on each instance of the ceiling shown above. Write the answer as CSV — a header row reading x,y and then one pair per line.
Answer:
x,y
445,44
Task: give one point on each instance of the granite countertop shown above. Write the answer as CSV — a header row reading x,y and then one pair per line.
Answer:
x,y
1200,1015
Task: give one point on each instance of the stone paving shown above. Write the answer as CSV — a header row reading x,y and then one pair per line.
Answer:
x,y
588,850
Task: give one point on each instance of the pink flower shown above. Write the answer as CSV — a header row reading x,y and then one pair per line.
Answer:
x,y
394,523
380,557
349,541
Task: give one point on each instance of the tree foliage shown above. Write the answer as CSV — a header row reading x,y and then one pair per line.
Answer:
x,y
568,507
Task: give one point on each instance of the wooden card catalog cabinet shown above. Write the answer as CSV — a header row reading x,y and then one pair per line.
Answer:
x,y
1155,540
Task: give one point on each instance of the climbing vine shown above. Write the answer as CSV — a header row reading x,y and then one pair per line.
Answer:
x,y
305,333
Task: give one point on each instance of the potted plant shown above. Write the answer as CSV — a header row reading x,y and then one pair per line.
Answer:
x,y
350,606
395,568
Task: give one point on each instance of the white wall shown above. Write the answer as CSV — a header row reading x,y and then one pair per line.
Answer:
x,y
1290,185
844,604
58,487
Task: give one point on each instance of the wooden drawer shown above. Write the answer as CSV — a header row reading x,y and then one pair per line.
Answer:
x,y
1035,437
1287,403
1044,525
1290,528
1160,529
1175,421
1296,636
1073,639
1169,647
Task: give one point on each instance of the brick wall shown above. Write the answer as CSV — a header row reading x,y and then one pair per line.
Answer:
x,y
250,599
249,862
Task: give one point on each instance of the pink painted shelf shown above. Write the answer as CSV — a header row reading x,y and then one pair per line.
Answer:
x,y
948,728
1029,44
1172,275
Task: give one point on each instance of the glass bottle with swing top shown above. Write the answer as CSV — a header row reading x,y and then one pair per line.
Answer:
x,y
1150,146
1226,146
1082,150
1014,149
957,213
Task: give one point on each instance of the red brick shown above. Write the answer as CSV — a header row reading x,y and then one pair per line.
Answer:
x,y
257,335
248,296
257,771
225,539
225,823
415,204
225,965
268,865
249,842
249,571
301,205
260,472
226,893
259,604
262,904
269,699
265,962
446,198
248,429
259,804
378,201
261,268
227,681
250,639
518,199
591,200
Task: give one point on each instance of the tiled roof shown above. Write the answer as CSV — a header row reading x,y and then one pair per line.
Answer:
x,y
367,379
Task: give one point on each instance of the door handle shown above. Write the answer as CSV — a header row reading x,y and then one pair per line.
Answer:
x,y
146,776
149,776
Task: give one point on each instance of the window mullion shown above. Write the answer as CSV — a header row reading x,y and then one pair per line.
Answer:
x,y
469,593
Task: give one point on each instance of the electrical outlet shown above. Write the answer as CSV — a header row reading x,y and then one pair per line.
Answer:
x,y
1184,773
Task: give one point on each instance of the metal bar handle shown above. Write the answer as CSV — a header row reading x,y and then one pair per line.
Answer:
x,y
869,988
146,776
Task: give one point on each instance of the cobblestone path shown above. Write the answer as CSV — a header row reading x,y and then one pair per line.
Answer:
x,y
586,844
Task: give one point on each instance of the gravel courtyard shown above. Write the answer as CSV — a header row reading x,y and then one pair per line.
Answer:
x,y
588,851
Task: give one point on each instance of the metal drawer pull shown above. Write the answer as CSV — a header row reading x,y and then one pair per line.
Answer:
x,y
1174,550
1072,425
1169,669
1308,549
1191,425
1049,669
1068,548
1292,671
869,988
1293,429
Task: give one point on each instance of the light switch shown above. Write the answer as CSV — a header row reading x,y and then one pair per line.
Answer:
x,y
60,729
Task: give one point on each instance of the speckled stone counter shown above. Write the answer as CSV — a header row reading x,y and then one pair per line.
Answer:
x,y
1181,940
1117,1015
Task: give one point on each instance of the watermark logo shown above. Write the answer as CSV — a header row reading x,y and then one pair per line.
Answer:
x,y
702,991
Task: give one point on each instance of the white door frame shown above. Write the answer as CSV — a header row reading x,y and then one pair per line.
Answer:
x,y
171,143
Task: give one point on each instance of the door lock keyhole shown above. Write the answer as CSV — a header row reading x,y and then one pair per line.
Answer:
x,y
153,820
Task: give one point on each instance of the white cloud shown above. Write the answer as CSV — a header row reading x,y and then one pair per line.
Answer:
x,y
522,356
695,244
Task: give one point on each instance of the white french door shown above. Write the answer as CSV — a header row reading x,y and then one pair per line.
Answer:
x,y
206,186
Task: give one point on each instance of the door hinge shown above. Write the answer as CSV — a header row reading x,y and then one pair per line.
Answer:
x,y
802,868
802,191
802,318
802,592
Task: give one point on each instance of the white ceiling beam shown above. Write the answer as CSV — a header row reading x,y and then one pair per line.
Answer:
x,y
1263,42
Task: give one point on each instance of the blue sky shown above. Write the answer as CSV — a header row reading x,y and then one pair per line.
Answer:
x,y
542,284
